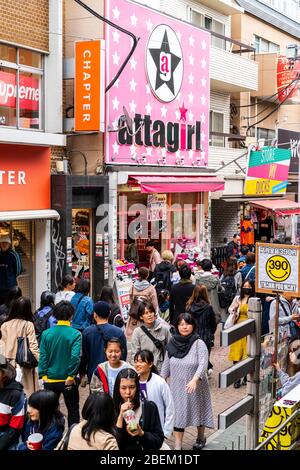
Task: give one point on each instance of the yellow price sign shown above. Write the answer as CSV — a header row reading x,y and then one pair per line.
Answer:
x,y
278,268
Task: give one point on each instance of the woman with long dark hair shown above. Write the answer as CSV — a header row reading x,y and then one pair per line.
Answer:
x,y
148,434
44,418
239,307
13,294
186,364
97,430
155,388
20,323
115,317
201,310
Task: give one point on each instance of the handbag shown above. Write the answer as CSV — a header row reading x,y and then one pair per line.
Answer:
x,y
63,445
24,356
231,320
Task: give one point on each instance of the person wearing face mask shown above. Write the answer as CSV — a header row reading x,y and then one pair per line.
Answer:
x,y
239,306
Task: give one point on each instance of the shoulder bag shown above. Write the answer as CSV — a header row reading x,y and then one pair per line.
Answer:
x,y
158,344
24,356
63,445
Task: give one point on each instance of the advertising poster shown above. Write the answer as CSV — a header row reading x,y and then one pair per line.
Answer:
x,y
277,268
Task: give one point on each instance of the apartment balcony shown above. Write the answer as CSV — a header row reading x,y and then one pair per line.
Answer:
x,y
232,65
226,7
222,156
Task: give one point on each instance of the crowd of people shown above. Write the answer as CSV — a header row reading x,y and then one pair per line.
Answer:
x,y
148,379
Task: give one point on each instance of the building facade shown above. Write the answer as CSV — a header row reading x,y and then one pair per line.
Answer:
x,y
30,132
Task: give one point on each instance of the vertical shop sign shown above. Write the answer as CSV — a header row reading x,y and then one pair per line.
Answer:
x,y
268,171
287,79
89,86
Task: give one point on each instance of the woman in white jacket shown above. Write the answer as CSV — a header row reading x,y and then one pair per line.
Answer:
x,y
155,388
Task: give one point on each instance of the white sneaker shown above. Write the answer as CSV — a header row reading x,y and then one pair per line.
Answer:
x,y
209,372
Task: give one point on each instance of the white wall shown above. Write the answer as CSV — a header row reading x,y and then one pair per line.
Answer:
x,y
42,258
54,69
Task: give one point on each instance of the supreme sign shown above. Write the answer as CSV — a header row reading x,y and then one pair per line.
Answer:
x,y
89,86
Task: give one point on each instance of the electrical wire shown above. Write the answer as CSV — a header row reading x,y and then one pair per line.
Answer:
x,y
268,98
275,109
125,31
272,102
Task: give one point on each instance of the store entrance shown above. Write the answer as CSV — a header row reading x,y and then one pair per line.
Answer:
x,y
81,243
21,233
173,221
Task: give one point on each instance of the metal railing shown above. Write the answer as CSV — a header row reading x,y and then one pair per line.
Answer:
x,y
236,47
276,445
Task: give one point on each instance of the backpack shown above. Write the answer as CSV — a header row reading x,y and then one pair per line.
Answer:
x,y
162,280
41,323
228,292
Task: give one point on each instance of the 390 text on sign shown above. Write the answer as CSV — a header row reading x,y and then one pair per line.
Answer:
x,y
277,268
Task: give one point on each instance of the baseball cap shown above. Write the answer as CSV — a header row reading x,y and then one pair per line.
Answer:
x,y
5,239
102,309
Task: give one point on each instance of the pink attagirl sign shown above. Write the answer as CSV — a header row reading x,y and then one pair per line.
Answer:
x,y
164,89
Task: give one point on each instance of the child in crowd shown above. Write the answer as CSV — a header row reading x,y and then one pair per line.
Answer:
x,y
104,376
163,304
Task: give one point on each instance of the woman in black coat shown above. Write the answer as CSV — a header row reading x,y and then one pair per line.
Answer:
x,y
201,310
148,434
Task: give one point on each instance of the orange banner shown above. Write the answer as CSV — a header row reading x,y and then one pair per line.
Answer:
x,y
89,86
24,178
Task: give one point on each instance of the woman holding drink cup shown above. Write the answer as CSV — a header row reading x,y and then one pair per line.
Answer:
x,y
45,426
138,424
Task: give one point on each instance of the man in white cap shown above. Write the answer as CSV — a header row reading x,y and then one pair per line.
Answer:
x,y
10,267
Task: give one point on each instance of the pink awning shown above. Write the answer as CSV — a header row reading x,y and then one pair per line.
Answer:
x,y
177,184
280,206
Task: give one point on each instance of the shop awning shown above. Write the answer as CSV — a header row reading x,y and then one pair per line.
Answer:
x,y
280,206
177,184
29,215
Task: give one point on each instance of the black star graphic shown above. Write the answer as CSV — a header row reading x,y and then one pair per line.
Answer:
x,y
155,53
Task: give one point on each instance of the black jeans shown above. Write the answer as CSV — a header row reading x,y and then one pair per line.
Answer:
x,y
71,397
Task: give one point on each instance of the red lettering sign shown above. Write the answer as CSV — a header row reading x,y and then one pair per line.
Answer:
x,y
287,84
24,178
29,91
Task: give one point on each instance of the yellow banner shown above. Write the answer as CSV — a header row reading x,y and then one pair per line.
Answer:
x,y
262,187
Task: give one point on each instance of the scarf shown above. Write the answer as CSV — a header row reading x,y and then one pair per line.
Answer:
x,y
179,346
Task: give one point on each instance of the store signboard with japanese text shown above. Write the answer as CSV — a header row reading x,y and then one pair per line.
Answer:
x,y
24,178
277,268
268,170
156,207
287,79
89,86
165,89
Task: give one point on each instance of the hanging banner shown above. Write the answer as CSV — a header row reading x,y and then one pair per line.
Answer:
x,y
277,268
89,86
287,84
156,207
268,171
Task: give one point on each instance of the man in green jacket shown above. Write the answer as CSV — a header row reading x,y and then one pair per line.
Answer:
x,y
60,357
